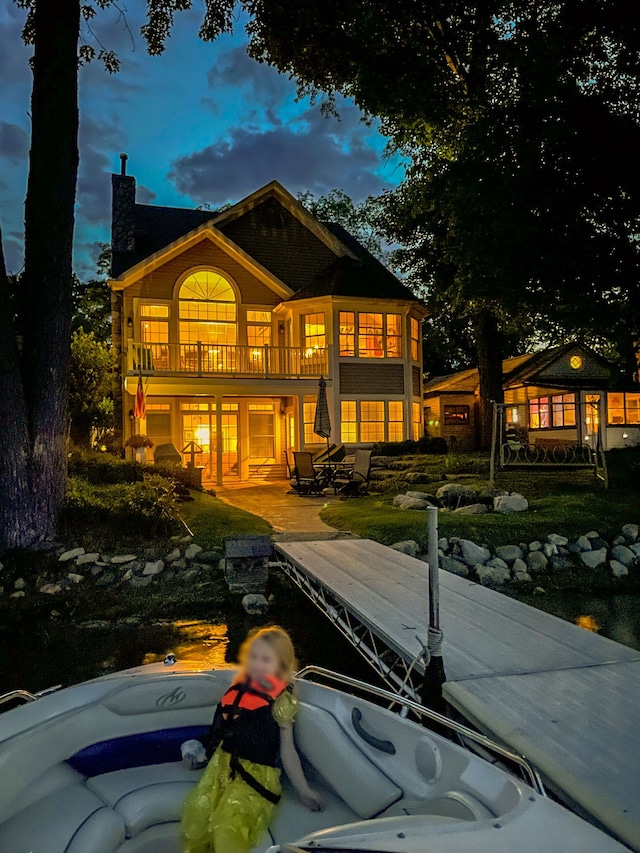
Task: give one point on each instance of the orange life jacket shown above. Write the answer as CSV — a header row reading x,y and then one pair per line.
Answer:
x,y
252,694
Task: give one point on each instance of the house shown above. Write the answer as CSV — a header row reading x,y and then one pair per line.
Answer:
x,y
558,394
231,318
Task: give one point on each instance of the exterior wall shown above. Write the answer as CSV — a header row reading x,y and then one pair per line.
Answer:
x,y
460,436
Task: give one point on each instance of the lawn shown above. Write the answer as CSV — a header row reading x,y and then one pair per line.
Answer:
x,y
569,503
211,520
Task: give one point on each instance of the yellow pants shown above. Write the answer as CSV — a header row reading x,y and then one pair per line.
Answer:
x,y
225,815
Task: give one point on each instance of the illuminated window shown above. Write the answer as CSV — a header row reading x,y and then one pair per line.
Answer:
x,y
623,409
347,333
154,324
539,413
371,420
415,339
258,328
456,415
314,331
154,311
396,420
309,419
592,412
512,415
158,407
563,410
370,334
261,431
575,362
417,425
394,335
348,422
207,309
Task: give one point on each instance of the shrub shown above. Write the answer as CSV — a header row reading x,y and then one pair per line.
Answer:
x,y
103,468
425,444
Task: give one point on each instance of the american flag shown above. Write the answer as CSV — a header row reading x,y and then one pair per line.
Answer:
x,y
140,406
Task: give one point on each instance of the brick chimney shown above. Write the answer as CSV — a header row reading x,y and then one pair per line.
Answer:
x,y
123,195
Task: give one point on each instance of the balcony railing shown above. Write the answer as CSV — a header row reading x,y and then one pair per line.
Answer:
x,y
201,359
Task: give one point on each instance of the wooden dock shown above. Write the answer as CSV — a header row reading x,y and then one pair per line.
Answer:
x,y
566,698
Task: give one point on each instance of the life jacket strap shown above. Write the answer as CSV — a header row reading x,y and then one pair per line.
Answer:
x,y
238,770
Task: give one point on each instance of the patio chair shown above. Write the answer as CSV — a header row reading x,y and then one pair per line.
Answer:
x,y
307,480
354,481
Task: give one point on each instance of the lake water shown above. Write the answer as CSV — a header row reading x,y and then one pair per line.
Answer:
x,y
49,652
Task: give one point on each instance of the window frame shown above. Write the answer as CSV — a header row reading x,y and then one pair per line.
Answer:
x,y
465,411
311,347
625,419
414,323
353,434
188,309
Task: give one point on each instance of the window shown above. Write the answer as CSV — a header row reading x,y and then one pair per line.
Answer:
x,y
623,409
415,338
261,431
314,331
347,333
309,419
417,426
396,418
348,422
512,415
258,328
563,410
539,414
394,336
154,324
456,415
592,412
207,309
372,421
370,332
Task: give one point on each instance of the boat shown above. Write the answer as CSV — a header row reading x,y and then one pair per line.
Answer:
x,y
95,768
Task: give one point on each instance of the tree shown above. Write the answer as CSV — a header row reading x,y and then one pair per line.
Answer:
x,y
90,381
521,123
92,300
34,365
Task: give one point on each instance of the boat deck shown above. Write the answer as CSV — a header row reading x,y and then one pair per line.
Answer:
x,y
566,698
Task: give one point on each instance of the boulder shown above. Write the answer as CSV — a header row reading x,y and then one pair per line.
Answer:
x,y
472,509
407,546
535,546
443,543
559,561
453,566
472,553
127,575
85,559
120,559
556,539
174,554
519,566
549,549
50,588
192,551
190,575
623,555
422,496
598,542
414,503
20,583
399,500
453,494
70,555
492,575
18,594
509,553
630,532
594,558
153,568
209,556
417,477
497,563
635,547
74,577
140,581
522,577
96,570
583,543
573,548
536,561
618,570
255,604
510,503
592,534
180,564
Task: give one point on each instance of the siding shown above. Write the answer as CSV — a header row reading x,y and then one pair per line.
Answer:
x,y
371,378
160,283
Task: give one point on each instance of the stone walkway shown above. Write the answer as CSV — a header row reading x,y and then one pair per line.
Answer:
x,y
292,517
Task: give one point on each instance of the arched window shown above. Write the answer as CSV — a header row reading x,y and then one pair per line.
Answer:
x,y
207,309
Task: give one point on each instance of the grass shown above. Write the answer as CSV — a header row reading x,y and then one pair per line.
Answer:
x,y
211,520
568,503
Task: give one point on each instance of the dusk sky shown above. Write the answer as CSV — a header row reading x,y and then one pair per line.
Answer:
x,y
203,123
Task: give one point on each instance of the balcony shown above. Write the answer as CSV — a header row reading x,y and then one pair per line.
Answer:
x,y
206,360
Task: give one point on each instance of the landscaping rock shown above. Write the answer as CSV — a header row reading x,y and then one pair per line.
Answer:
x,y
592,534
210,556
96,570
509,553
70,555
408,546
492,575
635,548
399,500
140,581
185,539
192,551
106,579
413,503
472,509
453,566
453,494
539,591
50,588
619,540
549,549
556,539
630,532
583,543
175,554
74,577
120,559
255,604
472,553
536,545
127,575
510,503
497,563
598,542
623,555
190,575
618,570
153,568
536,561
522,577
558,561
18,594
20,583
85,559
574,548
594,558
422,496
519,566
179,564
443,543
417,477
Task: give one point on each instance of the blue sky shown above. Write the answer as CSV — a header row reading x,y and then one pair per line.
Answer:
x,y
201,124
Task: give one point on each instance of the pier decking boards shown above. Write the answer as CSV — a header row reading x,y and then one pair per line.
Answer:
x,y
566,698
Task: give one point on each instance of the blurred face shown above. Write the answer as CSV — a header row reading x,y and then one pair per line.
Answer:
x,y
262,660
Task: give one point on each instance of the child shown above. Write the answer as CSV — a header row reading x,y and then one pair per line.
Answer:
x,y
231,807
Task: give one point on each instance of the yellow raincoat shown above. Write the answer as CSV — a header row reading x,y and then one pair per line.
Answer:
x,y
225,815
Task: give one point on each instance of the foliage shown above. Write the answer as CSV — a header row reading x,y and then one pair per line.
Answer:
x,y
90,384
101,469
138,441
92,300
425,444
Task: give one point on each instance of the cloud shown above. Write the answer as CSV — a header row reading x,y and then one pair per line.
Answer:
x,y
144,195
14,142
98,140
309,153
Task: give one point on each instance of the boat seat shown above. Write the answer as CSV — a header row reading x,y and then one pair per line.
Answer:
x,y
458,805
166,839
69,820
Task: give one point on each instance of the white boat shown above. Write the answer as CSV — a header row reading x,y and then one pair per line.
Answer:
x,y
95,769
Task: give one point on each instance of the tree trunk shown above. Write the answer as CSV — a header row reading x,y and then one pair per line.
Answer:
x,y
36,447
488,340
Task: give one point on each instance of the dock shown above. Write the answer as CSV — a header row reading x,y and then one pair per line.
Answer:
x,y
566,698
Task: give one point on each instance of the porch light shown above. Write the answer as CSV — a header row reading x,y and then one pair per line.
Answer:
x,y
625,436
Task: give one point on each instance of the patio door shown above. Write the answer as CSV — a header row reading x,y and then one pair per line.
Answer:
x,y
200,438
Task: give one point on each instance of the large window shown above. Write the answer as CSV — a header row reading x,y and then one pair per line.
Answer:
x,y
207,309
309,419
258,328
556,411
394,335
417,423
396,420
370,421
456,415
539,413
415,339
154,324
370,335
261,431
347,333
314,331
348,422
623,408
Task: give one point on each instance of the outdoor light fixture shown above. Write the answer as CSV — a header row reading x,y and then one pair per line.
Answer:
x,y
129,322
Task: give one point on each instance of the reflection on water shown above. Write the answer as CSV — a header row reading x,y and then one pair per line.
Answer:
x,y
588,623
197,641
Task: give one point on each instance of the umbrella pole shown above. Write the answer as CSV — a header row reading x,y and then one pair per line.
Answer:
x,y
434,676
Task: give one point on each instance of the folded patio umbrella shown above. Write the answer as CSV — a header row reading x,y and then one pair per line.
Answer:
x,y
322,420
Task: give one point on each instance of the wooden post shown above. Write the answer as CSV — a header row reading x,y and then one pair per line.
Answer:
x,y
219,440
492,461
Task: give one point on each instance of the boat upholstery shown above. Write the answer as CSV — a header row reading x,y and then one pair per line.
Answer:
x,y
458,805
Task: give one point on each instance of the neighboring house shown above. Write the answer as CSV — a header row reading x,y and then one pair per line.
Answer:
x,y
558,395
232,318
